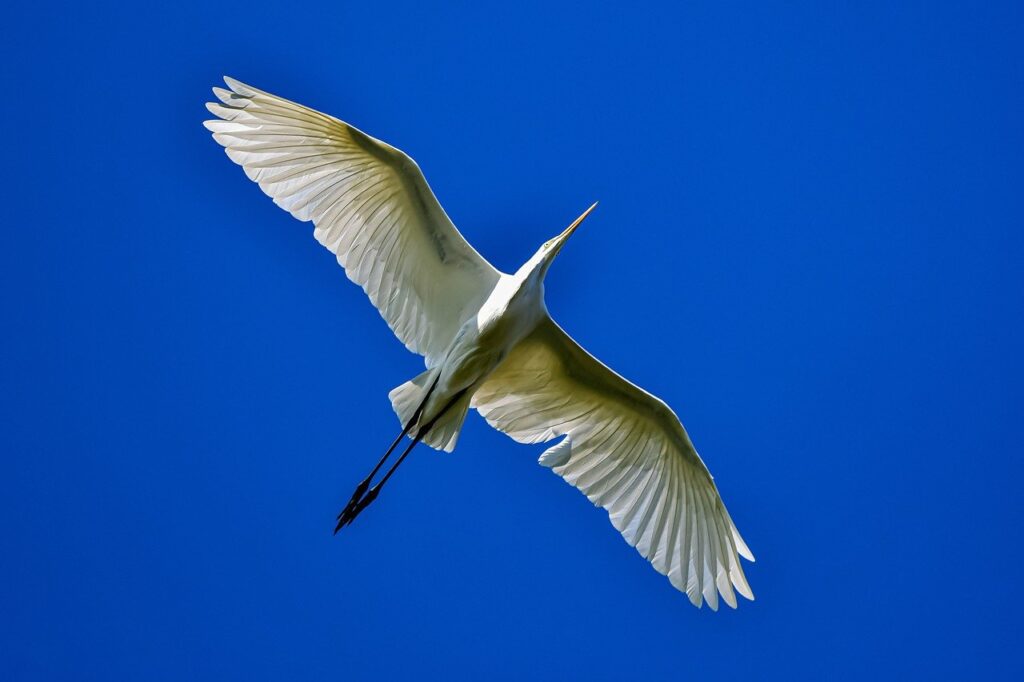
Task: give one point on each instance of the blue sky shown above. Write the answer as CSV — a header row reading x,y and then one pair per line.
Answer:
x,y
809,243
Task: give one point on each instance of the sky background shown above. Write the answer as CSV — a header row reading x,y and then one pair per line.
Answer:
x,y
809,243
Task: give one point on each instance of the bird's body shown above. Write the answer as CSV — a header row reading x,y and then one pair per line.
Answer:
x,y
487,340
511,311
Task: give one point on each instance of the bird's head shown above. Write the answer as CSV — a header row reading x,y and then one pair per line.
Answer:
x,y
545,255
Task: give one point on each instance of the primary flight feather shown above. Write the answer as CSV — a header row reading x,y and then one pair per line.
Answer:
x,y
487,340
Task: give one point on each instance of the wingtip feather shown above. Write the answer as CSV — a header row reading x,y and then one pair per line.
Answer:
x,y
240,88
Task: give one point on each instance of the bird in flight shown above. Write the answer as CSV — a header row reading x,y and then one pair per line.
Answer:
x,y
487,340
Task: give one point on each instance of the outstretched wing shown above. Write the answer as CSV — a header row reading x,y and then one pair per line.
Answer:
x,y
628,452
370,205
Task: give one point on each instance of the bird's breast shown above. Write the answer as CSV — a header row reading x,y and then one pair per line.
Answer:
x,y
487,338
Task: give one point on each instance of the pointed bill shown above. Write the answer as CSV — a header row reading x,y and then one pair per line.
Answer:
x,y
576,223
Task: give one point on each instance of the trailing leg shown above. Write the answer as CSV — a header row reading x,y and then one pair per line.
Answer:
x,y
363,501
360,491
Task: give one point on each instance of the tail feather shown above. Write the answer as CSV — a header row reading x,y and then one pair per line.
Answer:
x,y
445,432
406,400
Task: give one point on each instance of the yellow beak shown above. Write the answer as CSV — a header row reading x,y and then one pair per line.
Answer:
x,y
576,223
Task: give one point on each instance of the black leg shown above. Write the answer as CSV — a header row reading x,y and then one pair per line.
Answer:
x,y
363,502
360,490
353,509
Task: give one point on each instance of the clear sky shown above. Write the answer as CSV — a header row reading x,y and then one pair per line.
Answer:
x,y
809,243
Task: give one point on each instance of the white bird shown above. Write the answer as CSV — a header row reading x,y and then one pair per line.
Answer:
x,y
487,340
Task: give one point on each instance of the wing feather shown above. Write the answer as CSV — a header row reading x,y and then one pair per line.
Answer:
x,y
627,452
370,206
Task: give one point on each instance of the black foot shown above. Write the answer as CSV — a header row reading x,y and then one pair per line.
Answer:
x,y
356,506
356,496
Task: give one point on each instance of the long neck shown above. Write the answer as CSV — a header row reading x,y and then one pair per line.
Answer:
x,y
529,280
536,269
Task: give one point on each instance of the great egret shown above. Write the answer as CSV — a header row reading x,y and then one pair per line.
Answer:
x,y
487,340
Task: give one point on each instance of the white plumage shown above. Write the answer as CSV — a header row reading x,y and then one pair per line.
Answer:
x,y
487,339
371,206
